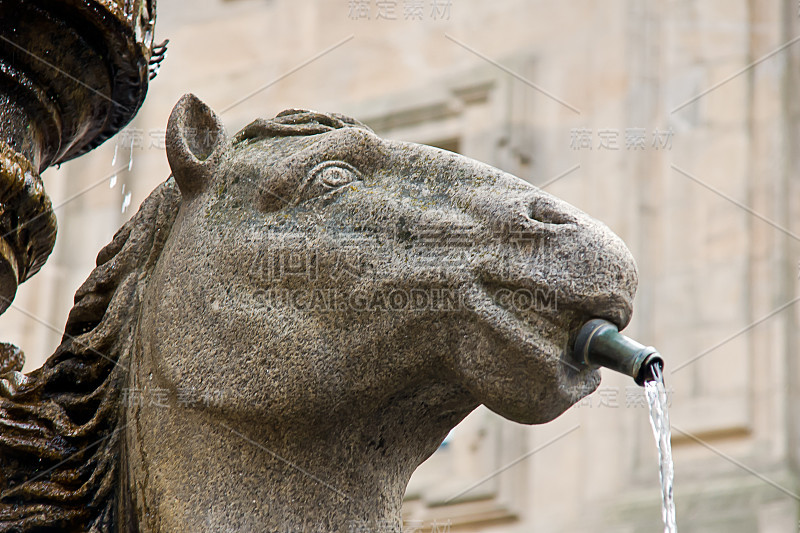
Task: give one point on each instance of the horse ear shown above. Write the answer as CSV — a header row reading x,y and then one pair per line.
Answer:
x,y
195,140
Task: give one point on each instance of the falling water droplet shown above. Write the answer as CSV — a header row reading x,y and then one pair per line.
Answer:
x,y
112,181
126,202
116,149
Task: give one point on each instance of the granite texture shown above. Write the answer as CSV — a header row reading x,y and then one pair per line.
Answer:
x,y
292,324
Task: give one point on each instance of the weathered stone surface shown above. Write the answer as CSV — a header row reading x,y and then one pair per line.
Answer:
x,y
11,358
289,328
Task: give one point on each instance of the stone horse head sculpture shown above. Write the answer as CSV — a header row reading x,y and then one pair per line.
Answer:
x,y
291,325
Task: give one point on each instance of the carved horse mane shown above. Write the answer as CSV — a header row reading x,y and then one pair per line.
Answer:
x,y
61,425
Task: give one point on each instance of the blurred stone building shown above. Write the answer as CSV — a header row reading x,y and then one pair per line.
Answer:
x,y
675,123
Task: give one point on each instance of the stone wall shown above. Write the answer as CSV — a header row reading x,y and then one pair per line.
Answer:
x,y
669,121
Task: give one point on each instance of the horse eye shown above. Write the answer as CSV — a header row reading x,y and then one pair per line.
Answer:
x,y
333,174
326,177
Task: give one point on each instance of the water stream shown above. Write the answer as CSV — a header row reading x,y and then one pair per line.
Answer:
x,y
659,419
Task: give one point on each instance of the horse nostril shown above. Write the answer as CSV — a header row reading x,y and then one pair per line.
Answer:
x,y
548,212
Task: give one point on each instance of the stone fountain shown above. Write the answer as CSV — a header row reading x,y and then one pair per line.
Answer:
x,y
204,381
72,74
